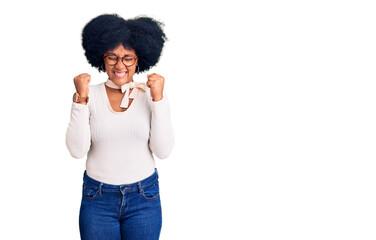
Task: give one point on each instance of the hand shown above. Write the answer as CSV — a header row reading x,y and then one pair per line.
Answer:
x,y
155,83
82,84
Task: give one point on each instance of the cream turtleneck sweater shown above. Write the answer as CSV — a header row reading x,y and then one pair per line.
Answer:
x,y
120,145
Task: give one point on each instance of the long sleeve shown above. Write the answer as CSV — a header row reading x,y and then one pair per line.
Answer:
x,y
78,137
162,136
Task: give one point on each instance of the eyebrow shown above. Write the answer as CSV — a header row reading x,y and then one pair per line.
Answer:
x,y
129,55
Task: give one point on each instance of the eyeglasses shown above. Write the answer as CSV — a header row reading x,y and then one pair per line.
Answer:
x,y
111,59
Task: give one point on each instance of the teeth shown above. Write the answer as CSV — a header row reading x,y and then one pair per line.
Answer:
x,y
121,74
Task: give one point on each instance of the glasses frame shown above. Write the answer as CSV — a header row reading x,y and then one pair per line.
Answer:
x,y
117,59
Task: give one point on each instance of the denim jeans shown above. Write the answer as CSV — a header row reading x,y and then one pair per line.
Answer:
x,y
118,212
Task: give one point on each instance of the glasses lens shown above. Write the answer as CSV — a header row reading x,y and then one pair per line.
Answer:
x,y
128,61
111,60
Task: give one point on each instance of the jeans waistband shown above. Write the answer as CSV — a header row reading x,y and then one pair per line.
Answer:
x,y
139,185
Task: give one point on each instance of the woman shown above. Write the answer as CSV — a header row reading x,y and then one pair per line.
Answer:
x,y
119,124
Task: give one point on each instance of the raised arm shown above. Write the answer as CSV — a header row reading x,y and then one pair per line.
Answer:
x,y
162,137
78,136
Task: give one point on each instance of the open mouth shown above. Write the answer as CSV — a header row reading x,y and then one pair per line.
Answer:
x,y
120,74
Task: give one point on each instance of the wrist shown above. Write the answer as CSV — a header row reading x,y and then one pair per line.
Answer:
x,y
158,98
77,98
83,103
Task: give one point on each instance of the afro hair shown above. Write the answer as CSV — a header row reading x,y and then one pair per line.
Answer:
x,y
142,34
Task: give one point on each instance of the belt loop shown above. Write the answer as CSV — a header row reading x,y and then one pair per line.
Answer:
x,y
156,170
100,188
139,187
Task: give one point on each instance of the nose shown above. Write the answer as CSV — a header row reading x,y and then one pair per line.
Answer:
x,y
120,64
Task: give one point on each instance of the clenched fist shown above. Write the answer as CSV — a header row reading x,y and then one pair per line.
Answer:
x,y
155,83
82,84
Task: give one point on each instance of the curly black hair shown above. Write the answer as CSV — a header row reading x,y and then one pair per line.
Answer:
x,y
142,34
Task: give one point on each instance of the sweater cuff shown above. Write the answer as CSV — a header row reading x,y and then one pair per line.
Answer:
x,y
161,108
79,105
80,111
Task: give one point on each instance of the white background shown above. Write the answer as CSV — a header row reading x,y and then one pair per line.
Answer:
x,y
272,102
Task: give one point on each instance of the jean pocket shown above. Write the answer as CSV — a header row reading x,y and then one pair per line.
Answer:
x,y
89,191
151,191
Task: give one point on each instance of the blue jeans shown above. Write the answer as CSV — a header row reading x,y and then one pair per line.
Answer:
x,y
118,212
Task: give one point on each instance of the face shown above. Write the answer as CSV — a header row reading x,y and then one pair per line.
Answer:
x,y
119,73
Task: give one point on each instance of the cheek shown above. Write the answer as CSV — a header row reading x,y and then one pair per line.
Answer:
x,y
109,70
132,69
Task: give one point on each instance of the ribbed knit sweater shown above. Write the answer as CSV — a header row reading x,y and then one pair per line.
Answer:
x,y
120,145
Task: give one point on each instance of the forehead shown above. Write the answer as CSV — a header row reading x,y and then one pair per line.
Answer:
x,y
121,51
